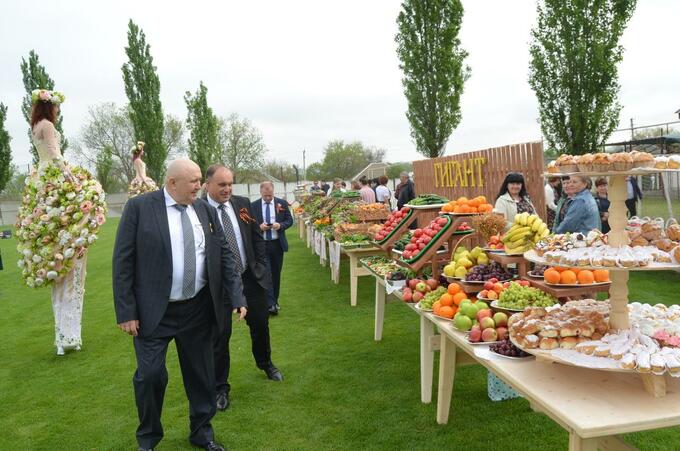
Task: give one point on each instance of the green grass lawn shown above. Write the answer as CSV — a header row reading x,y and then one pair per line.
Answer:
x,y
656,207
342,389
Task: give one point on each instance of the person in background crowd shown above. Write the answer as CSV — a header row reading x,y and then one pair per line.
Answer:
x,y
337,185
356,185
325,187
634,194
315,187
245,238
553,193
562,203
367,194
405,192
382,192
578,213
602,203
273,216
343,186
513,198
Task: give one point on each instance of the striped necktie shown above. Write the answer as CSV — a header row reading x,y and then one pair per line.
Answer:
x,y
189,277
230,235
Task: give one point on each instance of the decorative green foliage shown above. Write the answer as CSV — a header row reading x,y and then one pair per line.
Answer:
x,y
573,71
204,128
35,76
434,72
143,88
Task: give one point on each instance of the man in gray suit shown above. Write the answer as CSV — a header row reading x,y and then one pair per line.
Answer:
x,y
174,277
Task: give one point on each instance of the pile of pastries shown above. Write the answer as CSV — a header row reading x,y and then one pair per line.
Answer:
x,y
658,321
634,350
643,232
568,241
669,162
609,257
560,326
602,162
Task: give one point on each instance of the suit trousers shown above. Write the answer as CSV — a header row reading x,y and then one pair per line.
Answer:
x,y
191,324
275,256
258,323
631,204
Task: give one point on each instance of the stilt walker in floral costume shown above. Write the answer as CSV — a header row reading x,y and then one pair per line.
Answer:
x,y
62,209
141,183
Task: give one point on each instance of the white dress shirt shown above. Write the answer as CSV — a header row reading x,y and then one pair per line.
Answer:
x,y
272,217
382,193
231,214
177,244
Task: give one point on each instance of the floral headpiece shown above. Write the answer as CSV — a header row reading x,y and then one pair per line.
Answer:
x,y
43,95
139,147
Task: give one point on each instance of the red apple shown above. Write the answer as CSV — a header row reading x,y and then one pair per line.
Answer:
x,y
493,280
502,333
417,296
485,313
482,294
492,295
488,285
487,323
506,284
475,334
489,334
432,283
501,319
407,296
412,283
422,287
498,287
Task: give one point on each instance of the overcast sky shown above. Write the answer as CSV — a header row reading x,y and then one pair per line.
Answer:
x,y
309,71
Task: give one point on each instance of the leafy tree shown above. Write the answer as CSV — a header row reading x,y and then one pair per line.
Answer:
x,y
142,88
204,128
5,150
344,160
173,136
316,171
15,184
573,71
242,145
280,169
434,73
104,168
395,169
35,76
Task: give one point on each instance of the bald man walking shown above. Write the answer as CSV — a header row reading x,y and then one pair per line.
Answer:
x,y
174,278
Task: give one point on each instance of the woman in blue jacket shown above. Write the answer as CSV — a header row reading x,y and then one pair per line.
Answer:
x,y
579,212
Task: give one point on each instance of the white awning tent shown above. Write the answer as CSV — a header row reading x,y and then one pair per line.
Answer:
x,y
372,171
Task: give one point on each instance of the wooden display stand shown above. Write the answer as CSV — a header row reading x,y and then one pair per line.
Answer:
x,y
519,261
618,237
572,397
567,292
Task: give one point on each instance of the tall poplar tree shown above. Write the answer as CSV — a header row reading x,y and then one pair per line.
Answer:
x,y
203,126
434,72
573,71
142,87
5,150
35,76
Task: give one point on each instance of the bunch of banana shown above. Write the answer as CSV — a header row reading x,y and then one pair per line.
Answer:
x,y
524,233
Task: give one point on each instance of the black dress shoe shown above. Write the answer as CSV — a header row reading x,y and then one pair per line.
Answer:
x,y
213,446
144,449
222,401
274,374
273,310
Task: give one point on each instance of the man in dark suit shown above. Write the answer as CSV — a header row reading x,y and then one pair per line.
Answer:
x,y
245,238
273,217
174,277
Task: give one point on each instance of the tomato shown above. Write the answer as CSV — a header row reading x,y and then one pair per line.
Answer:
x,y
405,209
418,232
421,246
410,247
441,221
427,239
430,232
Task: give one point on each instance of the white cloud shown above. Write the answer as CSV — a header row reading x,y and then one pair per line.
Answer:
x,y
306,72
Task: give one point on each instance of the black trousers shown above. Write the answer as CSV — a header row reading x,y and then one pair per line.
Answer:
x,y
258,322
191,324
632,207
275,256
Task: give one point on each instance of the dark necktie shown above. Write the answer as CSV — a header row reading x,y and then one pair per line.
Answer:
x,y
189,277
268,220
230,235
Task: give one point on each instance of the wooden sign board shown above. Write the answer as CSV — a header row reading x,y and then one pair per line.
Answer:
x,y
481,172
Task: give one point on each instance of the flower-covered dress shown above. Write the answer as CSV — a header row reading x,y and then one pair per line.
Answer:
x,y
62,209
141,183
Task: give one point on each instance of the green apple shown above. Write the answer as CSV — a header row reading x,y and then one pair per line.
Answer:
x,y
462,322
469,310
481,305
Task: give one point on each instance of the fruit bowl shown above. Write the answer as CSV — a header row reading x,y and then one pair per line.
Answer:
x,y
509,311
420,308
535,276
474,343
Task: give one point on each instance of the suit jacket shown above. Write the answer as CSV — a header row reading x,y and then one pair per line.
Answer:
x,y
283,217
253,242
142,263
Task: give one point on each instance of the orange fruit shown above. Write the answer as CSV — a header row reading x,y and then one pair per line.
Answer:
x,y
559,268
482,199
585,277
458,209
601,275
446,300
475,202
568,277
551,275
463,200
448,208
436,307
453,288
446,311
575,270
458,297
